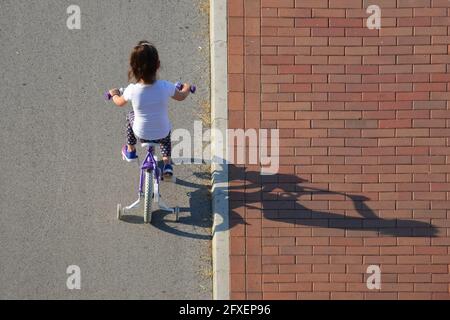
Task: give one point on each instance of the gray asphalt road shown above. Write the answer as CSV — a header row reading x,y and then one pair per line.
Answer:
x,y
61,172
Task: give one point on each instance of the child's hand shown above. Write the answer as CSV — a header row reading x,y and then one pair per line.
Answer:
x,y
117,98
186,87
114,92
182,94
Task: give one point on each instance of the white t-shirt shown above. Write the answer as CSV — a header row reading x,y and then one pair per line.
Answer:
x,y
151,108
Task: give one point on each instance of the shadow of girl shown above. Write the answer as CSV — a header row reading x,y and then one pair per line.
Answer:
x,y
278,197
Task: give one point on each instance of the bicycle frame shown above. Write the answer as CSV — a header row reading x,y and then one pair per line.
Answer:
x,y
150,165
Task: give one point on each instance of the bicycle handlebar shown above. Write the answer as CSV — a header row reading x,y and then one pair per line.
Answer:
x,y
178,85
108,96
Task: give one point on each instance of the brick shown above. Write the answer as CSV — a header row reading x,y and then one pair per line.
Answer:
x,y
236,45
328,69
414,259
360,32
277,78
277,3
388,69
337,13
297,32
238,283
277,97
279,295
346,41
439,269
236,26
269,12
420,31
313,295
295,268
292,50
346,259
252,26
429,123
237,264
236,8
415,21
346,4
299,286
277,41
413,3
235,64
329,287
278,278
398,287
295,13
380,296
268,31
327,51
312,277
414,296
277,60
311,41
422,68
348,22
295,88
438,278
429,12
431,287
297,250
310,22
387,43
311,3
277,22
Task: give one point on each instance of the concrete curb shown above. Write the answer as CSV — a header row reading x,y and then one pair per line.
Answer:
x,y
219,123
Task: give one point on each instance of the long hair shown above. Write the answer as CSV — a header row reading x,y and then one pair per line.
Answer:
x,y
144,62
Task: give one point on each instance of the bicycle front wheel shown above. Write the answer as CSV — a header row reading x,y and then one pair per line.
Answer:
x,y
148,197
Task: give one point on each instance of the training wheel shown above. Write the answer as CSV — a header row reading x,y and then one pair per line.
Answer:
x,y
119,212
177,214
147,218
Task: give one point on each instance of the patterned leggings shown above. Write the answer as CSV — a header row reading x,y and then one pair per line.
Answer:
x,y
165,144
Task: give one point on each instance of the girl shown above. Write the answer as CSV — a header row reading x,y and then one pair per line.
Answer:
x,y
149,121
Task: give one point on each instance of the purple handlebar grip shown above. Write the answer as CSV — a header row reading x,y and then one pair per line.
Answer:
x,y
107,96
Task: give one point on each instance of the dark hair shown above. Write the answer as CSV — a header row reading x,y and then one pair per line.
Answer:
x,y
144,62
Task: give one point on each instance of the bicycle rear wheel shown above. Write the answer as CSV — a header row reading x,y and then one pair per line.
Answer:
x,y
148,196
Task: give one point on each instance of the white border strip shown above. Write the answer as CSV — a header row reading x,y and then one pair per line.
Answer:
x,y
219,123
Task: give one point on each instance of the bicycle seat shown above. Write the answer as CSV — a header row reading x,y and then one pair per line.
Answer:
x,y
148,144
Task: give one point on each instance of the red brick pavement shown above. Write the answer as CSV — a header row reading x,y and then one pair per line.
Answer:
x,y
365,149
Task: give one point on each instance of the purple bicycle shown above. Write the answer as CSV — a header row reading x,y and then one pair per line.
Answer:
x,y
149,181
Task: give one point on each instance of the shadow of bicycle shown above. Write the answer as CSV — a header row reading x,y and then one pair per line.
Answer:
x,y
195,221
280,198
